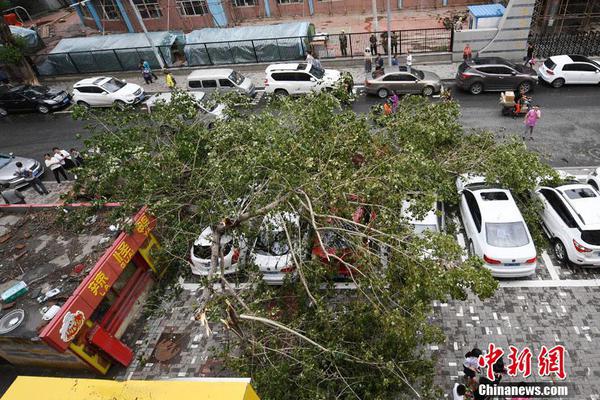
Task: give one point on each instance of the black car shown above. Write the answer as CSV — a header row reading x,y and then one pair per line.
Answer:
x,y
31,98
494,74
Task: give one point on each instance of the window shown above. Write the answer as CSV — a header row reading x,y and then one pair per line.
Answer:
x,y
148,8
507,234
195,84
284,76
244,3
113,85
192,7
302,77
549,64
391,78
559,208
473,208
225,83
90,89
289,1
209,84
579,193
494,196
107,9
579,67
236,77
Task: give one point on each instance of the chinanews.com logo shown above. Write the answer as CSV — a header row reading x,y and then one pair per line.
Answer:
x,y
550,364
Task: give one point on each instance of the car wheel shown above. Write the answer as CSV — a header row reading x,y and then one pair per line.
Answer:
x,y
559,82
427,91
83,104
281,92
43,109
476,88
524,87
120,104
3,112
593,184
560,251
383,93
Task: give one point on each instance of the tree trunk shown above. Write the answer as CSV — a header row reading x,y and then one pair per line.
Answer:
x,y
22,71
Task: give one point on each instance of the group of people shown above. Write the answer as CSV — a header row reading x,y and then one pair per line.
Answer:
x,y
60,161
391,104
373,43
149,76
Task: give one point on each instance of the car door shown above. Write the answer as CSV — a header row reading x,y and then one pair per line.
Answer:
x,y
550,217
305,82
17,102
472,220
490,79
506,77
209,85
393,83
570,73
588,73
225,85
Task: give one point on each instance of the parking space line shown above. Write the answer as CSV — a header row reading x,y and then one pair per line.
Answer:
x,y
550,283
551,268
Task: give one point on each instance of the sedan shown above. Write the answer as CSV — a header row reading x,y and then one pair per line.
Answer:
x,y
200,254
106,92
404,82
8,169
32,98
569,69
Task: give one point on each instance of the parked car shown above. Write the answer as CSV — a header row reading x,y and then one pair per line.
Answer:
x,y
220,79
271,251
495,229
593,179
299,78
489,74
31,98
403,82
207,113
571,219
200,253
569,69
105,92
433,221
8,169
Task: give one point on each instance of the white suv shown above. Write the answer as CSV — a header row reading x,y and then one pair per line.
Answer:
x,y
299,78
571,69
105,92
571,219
495,230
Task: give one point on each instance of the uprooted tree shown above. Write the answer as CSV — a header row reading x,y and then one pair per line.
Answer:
x,y
312,158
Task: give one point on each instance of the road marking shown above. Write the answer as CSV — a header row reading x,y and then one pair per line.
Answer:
x,y
551,268
550,283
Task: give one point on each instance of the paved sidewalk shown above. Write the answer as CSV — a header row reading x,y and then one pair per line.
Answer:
x,y
56,191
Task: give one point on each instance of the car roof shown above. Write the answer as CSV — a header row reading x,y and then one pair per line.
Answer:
x,y
490,60
561,59
429,219
288,67
587,208
96,80
497,210
166,97
210,73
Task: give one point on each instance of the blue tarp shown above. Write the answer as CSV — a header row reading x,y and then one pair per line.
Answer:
x,y
31,37
248,43
487,10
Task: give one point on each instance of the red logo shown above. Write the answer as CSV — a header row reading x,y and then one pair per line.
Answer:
x,y
489,359
550,361
72,323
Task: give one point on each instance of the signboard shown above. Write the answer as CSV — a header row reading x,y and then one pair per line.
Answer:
x,y
89,294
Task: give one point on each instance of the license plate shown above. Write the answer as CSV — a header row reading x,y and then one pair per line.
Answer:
x,y
512,264
66,100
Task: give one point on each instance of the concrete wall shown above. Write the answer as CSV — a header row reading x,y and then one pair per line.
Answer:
x,y
508,41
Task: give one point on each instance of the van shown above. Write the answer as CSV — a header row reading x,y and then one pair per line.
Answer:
x,y
221,79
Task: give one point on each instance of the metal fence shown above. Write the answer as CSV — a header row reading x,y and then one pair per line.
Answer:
x,y
584,43
247,51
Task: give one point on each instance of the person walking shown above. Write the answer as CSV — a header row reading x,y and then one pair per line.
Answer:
x,y
458,391
384,42
395,62
531,119
76,156
343,44
54,164
12,196
379,61
309,57
387,108
529,55
171,82
395,101
471,365
368,63
373,43
29,177
317,62
146,66
65,158
394,43
467,53
408,61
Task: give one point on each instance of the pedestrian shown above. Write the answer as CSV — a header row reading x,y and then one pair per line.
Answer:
x,y
458,392
373,43
395,62
387,108
384,42
531,119
378,72
317,62
394,43
171,82
529,55
76,156
309,57
408,61
379,61
12,196
395,101
368,62
471,365
146,66
146,75
467,53
29,177
65,158
54,164
343,44
477,395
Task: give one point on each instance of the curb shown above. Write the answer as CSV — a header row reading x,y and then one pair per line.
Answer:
x,y
41,207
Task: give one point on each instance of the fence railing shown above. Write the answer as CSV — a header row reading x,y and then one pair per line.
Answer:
x,y
246,51
584,43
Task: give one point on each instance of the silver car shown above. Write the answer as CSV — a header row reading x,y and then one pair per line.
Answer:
x,y
8,169
207,112
404,82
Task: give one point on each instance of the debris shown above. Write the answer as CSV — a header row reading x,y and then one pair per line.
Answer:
x,y
8,305
49,294
14,292
20,255
20,246
5,237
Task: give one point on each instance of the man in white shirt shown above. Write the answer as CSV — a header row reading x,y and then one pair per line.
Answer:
x,y
408,61
458,392
309,57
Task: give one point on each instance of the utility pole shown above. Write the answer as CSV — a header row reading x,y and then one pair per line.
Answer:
x,y
389,33
150,42
375,21
25,71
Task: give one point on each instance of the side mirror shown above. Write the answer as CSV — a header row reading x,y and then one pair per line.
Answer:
x,y
104,93
313,79
12,155
513,73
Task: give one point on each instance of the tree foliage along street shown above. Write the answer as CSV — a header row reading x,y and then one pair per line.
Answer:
x,y
313,158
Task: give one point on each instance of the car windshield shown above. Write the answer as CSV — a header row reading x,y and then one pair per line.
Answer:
x,y
206,105
274,243
418,74
112,85
420,229
236,78
334,239
4,159
580,193
549,63
317,72
506,234
34,91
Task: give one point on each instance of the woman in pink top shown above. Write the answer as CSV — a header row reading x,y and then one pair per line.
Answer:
x,y
531,120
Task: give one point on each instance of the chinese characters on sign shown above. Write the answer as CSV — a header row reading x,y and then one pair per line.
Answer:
x,y
99,284
123,254
550,361
143,225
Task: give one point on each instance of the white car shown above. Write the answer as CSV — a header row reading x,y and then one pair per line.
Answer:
x,y
495,229
207,113
433,221
571,219
593,179
272,252
299,78
105,92
200,254
569,69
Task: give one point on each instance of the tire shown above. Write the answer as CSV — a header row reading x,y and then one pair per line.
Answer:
x,y
83,104
560,251
558,83
383,93
476,88
120,104
427,91
3,112
42,109
525,87
281,92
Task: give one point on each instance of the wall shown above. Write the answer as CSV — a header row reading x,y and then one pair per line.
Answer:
x,y
21,351
508,41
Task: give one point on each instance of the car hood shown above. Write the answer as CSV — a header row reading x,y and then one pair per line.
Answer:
x,y
128,89
247,84
7,170
219,111
332,75
269,262
430,76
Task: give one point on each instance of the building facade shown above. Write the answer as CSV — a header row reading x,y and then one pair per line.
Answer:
x,y
187,15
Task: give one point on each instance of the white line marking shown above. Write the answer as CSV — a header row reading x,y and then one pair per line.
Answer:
x,y
551,283
550,266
